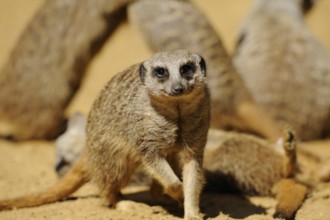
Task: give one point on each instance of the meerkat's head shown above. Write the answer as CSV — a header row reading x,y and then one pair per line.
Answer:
x,y
173,73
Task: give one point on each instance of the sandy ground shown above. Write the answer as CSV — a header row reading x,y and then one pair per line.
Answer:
x,y
28,167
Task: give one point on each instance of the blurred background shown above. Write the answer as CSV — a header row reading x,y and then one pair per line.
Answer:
x,y
126,47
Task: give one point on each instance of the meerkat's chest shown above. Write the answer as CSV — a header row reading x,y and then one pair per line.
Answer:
x,y
173,134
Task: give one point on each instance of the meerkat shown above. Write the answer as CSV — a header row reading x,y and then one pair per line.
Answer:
x,y
253,164
168,25
233,162
285,67
48,62
281,156
246,164
155,115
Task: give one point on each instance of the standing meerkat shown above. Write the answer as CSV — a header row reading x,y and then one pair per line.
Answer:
x,y
286,69
46,66
155,115
171,24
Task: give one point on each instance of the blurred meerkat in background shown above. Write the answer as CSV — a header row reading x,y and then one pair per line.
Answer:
x,y
285,67
48,62
172,24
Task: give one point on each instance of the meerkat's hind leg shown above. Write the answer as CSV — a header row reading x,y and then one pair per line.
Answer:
x,y
116,179
112,192
290,195
112,195
290,149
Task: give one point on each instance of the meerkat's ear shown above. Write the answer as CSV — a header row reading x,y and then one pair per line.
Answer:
x,y
307,5
142,72
202,64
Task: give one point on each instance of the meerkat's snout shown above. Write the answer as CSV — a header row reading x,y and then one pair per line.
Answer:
x,y
178,89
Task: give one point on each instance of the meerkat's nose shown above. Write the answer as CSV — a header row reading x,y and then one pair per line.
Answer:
x,y
177,89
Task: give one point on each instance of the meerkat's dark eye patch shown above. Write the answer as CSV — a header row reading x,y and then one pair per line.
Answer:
x,y
161,73
187,69
202,65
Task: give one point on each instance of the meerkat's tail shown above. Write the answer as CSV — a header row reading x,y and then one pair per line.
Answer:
x,y
290,195
72,181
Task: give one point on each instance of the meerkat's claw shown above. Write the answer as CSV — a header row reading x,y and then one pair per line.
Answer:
x,y
289,139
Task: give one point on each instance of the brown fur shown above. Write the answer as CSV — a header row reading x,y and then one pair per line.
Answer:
x,y
46,66
286,69
168,25
243,163
290,195
158,120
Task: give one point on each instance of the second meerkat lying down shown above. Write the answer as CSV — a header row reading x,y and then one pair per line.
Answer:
x,y
247,164
233,162
171,24
153,115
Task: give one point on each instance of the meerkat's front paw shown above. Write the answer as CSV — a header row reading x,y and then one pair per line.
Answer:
x,y
157,192
176,192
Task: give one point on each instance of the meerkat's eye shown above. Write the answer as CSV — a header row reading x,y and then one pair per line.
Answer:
x,y
187,69
160,72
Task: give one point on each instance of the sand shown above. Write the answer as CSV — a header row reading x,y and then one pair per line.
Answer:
x,y
28,167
